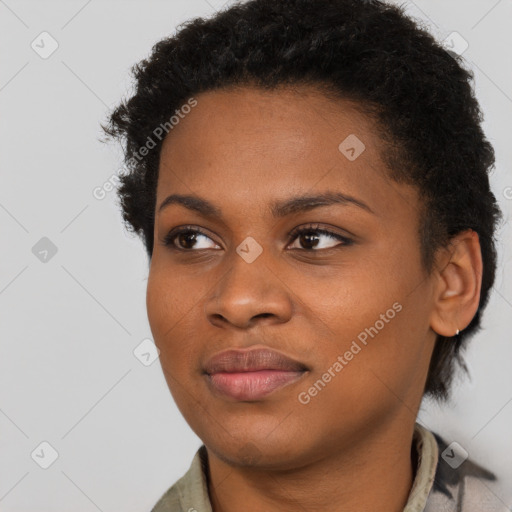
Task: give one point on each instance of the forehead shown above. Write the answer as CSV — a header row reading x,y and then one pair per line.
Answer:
x,y
255,144
298,119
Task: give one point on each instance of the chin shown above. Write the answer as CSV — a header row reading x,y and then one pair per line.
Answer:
x,y
259,452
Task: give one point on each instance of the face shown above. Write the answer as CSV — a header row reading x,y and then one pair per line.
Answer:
x,y
347,298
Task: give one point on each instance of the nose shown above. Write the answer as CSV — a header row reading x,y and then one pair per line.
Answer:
x,y
249,293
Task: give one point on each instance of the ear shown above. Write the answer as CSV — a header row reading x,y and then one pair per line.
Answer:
x,y
457,287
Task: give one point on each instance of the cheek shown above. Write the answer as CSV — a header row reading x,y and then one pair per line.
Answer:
x,y
159,309
170,299
169,312
372,320
359,384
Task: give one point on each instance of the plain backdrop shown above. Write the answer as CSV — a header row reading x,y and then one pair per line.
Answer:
x,y
73,281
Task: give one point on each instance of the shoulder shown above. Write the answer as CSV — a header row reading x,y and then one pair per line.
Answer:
x,y
170,500
190,492
461,484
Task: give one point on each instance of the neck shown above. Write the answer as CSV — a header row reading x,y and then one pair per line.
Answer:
x,y
375,473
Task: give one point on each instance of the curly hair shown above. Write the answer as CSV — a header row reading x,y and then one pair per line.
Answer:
x,y
418,94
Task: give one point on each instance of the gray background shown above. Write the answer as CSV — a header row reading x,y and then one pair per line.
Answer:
x,y
70,324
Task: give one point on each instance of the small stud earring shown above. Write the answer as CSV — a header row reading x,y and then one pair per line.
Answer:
x,y
457,333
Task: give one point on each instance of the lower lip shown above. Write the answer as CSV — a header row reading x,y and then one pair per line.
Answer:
x,y
252,385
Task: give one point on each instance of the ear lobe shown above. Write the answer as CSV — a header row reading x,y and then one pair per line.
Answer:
x,y
457,291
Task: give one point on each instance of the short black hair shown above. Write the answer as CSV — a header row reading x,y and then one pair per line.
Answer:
x,y
418,94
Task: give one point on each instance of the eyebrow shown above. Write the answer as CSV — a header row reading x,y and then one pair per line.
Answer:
x,y
277,209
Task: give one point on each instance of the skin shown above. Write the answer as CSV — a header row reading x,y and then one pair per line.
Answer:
x,y
242,149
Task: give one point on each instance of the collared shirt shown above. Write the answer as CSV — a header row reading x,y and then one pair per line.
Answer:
x,y
445,481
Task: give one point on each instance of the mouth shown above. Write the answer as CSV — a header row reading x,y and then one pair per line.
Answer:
x,y
250,386
251,375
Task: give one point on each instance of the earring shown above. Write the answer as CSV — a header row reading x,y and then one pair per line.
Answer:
x,y
457,333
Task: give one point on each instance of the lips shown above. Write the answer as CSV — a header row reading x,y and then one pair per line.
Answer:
x,y
235,361
251,375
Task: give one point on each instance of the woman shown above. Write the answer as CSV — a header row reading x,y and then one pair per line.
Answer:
x,y
310,180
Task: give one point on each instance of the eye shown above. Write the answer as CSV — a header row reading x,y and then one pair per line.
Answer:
x,y
185,237
311,237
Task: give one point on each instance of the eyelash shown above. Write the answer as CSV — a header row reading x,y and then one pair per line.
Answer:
x,y
314,228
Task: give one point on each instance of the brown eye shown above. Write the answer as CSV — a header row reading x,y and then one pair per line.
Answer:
x,y
187,239
313,239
